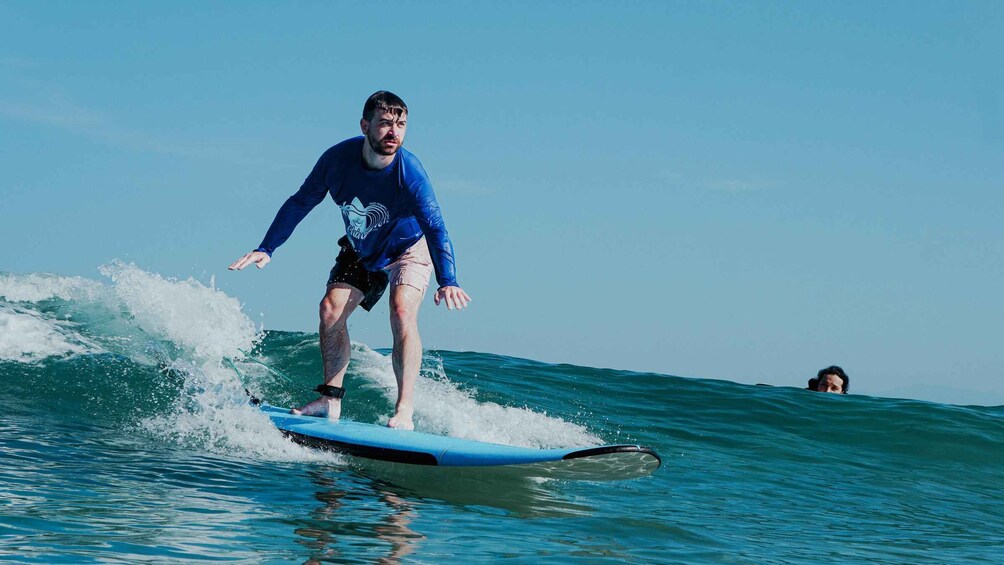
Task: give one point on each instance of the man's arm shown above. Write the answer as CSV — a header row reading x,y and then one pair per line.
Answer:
x,y
430,220
291,213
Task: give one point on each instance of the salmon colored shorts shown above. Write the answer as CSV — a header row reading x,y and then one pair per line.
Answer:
x,y
412,268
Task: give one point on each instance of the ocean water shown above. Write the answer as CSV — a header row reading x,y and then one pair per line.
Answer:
x,y
124,437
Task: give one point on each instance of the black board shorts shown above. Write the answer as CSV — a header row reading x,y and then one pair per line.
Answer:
x,y
349,269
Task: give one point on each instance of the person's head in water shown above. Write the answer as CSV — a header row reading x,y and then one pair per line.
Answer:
x,y
831,379
385,118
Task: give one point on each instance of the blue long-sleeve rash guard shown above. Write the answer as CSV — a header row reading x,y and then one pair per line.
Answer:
x,y
386,211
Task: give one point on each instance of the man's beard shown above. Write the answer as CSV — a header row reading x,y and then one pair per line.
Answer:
x,y
377,146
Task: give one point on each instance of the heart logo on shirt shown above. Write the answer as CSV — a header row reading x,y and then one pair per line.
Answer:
x,y
361,220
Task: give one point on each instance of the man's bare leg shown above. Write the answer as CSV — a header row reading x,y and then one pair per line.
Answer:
x,y
337,305
407,356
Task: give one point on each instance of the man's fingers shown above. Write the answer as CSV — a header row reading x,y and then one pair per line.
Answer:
x,y
257,257
455,297
239,264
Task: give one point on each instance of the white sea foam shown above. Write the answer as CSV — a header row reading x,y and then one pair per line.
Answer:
x,y
27,336
36,287
441,407
221,421
206,327
206,323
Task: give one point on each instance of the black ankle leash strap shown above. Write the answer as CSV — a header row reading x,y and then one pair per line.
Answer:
x,y
332,391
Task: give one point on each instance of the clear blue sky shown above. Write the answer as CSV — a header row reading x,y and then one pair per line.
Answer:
x,y
745,191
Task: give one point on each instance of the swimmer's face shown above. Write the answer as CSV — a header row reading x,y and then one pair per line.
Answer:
x,y
830,383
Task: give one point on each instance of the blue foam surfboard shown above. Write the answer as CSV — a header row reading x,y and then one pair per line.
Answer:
x,y
418,448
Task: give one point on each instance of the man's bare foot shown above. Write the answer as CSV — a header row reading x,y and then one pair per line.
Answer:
x,y
323,406
402,419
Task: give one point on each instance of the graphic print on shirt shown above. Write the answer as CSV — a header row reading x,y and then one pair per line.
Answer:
x,y
361,220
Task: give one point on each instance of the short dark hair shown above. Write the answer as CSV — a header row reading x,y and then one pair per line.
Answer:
x,y
384,101
834,370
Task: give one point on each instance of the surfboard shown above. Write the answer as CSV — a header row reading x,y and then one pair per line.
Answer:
x,y
604,462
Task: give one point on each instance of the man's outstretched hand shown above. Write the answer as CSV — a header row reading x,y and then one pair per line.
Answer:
x,y
454,296
259,258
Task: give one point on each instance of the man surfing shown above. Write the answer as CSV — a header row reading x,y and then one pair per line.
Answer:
x,y
394,236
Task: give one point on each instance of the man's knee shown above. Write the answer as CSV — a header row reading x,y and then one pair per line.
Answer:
x,y
333,311
404,309
401,313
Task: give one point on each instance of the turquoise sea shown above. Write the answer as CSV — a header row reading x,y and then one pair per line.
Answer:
x,y
125,438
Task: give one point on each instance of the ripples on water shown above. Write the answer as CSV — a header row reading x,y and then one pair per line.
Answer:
x,y
124,438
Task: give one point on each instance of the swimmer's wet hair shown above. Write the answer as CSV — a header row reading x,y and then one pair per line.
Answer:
x,y
384,101
834,370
